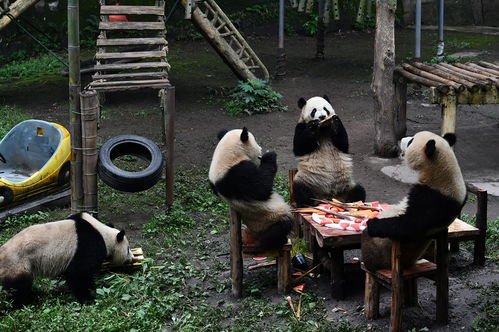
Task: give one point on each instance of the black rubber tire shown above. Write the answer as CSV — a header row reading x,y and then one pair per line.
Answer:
x,y
7,194
64,177
136,146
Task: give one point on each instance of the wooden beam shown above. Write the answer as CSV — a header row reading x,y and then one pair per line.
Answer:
x,y
131,41
131,26
131,55
132,10
132,66
152,74
16,9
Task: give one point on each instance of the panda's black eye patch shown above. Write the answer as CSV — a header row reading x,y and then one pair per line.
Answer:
x,y
313,112
412,139
325,109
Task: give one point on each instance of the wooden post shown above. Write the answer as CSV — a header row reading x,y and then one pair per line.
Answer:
x,y
168,112
89,113
449,110
481,224
74,105
371,297
396,305
442,280
385,141
283,264
337,274
236,258
400,106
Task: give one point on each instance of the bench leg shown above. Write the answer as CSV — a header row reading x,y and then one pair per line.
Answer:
x,y
283,264
442,280
337,274
371,297
236,257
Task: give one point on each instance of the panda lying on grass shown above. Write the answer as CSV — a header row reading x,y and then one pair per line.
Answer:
x,y
325,168
245,183
430,207
74,248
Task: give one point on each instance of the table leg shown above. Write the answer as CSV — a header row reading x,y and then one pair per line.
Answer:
x,y
337,274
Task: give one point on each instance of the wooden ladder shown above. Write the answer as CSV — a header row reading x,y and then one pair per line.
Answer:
x,y
131,53
226,40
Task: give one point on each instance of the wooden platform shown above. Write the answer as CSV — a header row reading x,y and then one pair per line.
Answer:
x,y
450,84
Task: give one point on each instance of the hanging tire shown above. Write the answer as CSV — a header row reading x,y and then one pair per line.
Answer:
x,y
136,146
6,196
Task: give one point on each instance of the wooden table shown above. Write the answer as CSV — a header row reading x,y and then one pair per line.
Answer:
x,y
336,241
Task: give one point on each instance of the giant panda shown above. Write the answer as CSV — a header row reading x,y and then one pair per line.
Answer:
x,y
431,205
238,176
325,168
74,247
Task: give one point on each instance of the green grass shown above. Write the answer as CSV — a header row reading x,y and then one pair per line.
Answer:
x,y
33,67
9,117
183,284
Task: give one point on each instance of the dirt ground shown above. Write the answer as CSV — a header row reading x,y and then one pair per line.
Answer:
x,y
345,75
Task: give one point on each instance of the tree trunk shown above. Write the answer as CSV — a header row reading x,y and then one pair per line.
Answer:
x,y
385,144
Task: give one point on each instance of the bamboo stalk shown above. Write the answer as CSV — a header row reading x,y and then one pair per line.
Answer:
x,y
306,273
347,205
74,105
89,113
309,7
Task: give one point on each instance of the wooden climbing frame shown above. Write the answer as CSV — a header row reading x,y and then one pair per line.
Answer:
x,y
459,83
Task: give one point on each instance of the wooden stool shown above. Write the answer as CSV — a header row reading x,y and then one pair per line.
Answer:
x,y
237,252
403,282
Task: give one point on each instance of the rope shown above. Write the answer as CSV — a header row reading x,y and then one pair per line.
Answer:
x,y
36,40
174,8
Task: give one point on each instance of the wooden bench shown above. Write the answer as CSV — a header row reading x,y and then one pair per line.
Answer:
x,y
403,284
470,83
238,251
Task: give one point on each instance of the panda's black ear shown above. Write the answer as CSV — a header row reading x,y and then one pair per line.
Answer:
x,y
327,98
221,133
430,148
120,236
451,138
244,135
301,102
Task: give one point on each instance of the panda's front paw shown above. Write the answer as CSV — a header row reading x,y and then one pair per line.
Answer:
x,y
313,124
269,157
335,122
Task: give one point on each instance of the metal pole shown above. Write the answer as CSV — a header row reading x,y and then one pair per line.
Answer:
x,y
440,42
417,51
281,55
74,105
